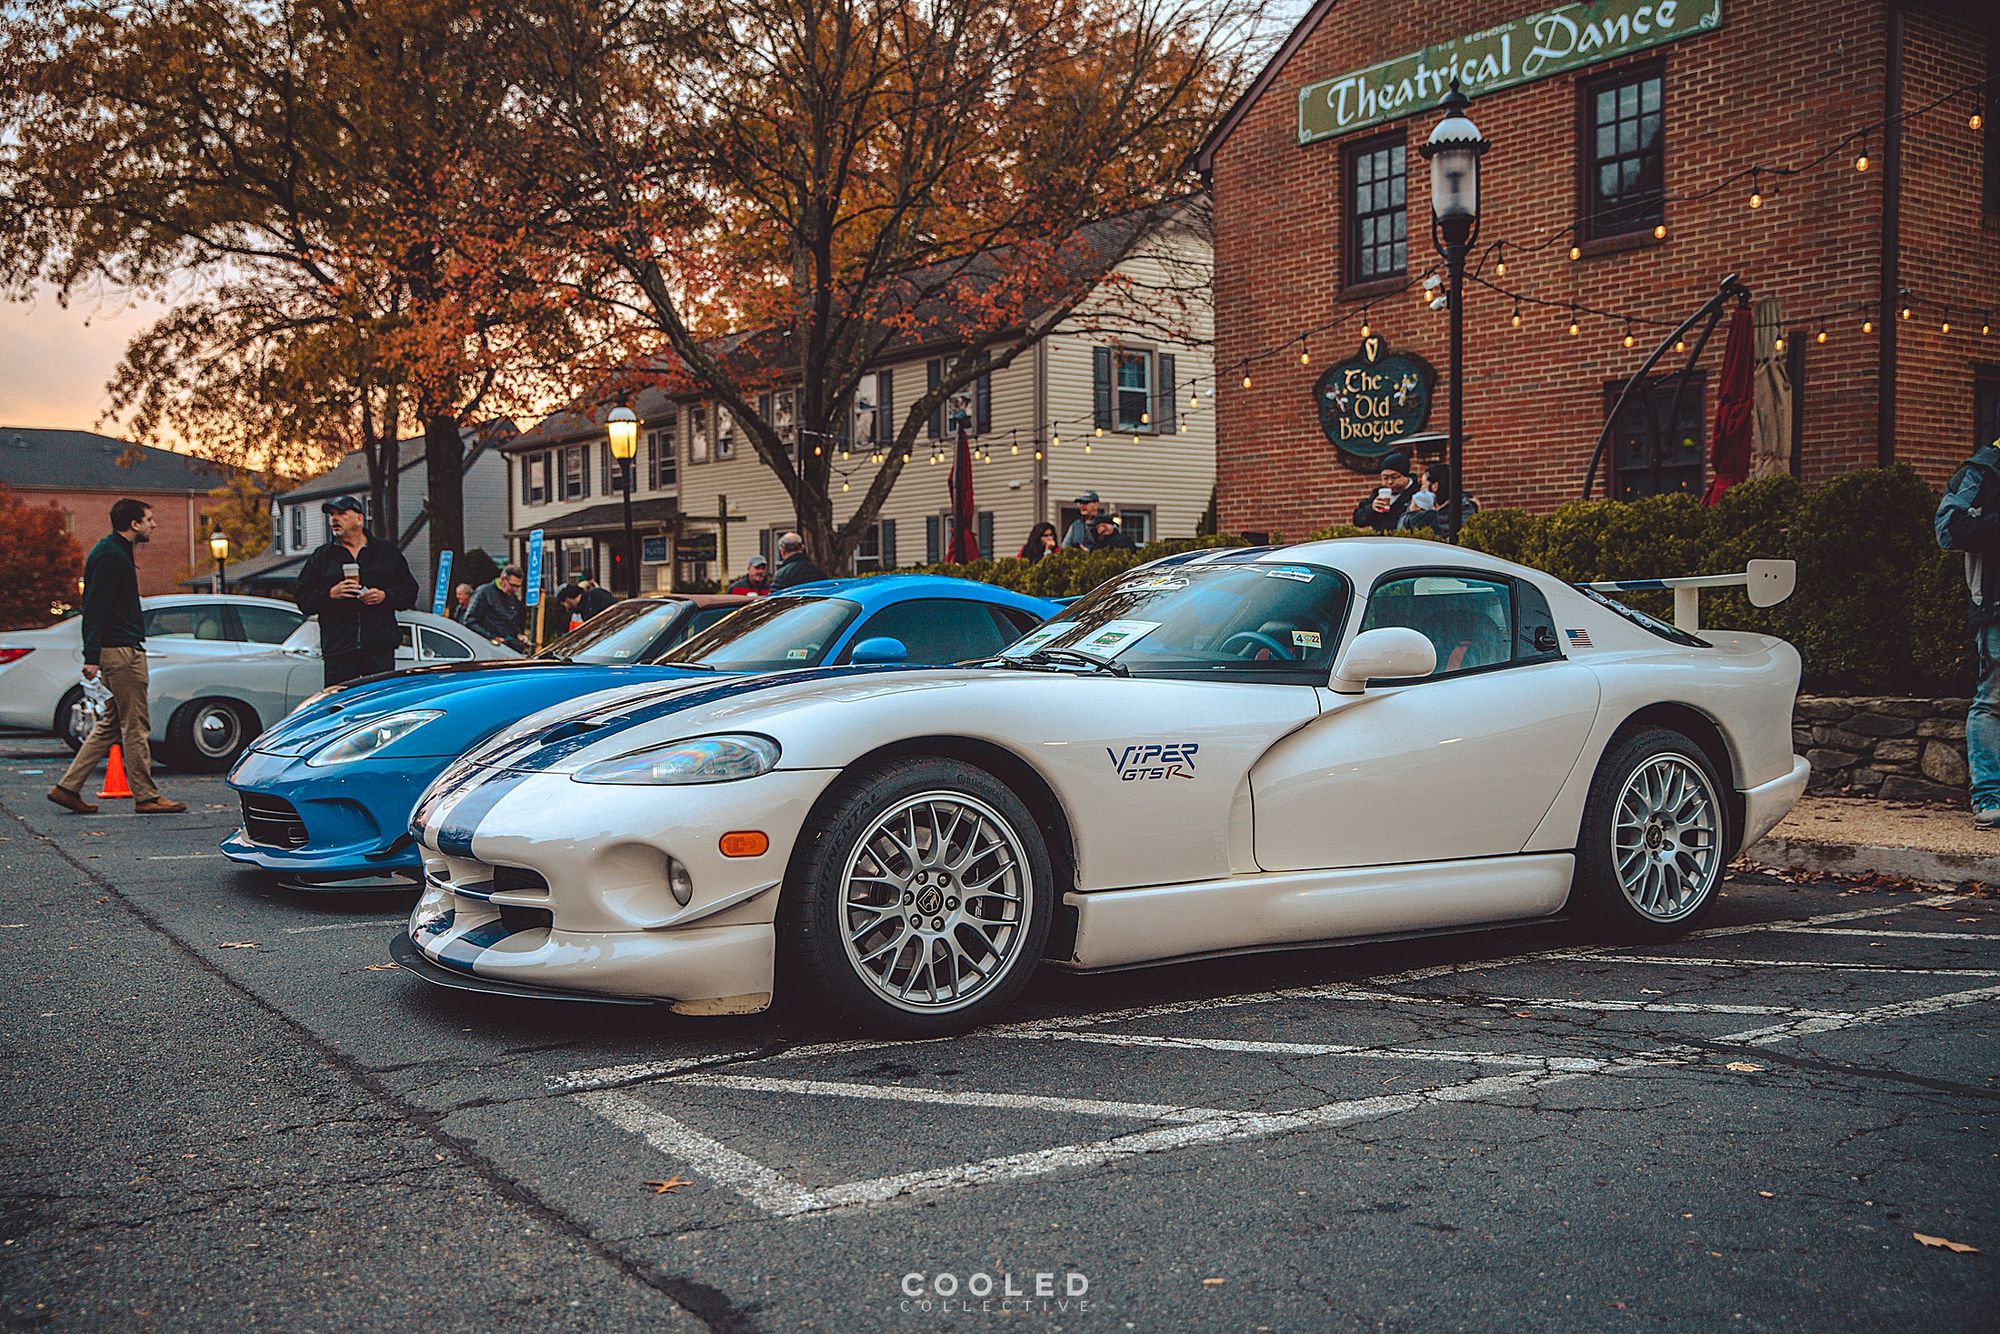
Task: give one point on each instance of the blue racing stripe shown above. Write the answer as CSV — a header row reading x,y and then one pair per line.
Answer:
x,y
1240,555
462,819
462,952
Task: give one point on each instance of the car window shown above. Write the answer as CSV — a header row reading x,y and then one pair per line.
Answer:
x,y
1015,621
703,618
406,649
195,621
1242,620
442,647
267,625
623,632
768,635
1470,621
937,630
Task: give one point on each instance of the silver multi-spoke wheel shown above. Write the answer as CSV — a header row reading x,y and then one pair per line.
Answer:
x,y
935,901
1666,837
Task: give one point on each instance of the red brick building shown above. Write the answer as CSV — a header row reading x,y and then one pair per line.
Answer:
x,y
1607,120
84,472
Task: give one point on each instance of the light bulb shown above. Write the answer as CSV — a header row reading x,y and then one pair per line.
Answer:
x,y
816,451
1660,232
1500,269
1183,428
1985,328
1867,326
1086,446
1246,379
1145,419
1756,199
1628,338
1305,357
1013,450
1861,161
1515,318
843,453
1820,337
1576,252
1194,398
1574,328
1038,454
1680,345
1945,327
1135,439
845,487
1779,345
1906,312
1365,329
1099,431
1055,443
1975,121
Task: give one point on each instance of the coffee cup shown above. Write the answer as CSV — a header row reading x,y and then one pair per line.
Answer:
x,y
1386,493
351,570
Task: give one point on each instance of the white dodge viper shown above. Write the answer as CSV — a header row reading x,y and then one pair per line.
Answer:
x,y
1223,751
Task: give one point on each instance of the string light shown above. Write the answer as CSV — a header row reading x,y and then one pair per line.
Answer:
x,y
1986,326
1975,120
1944,327
1820,337
844,486
1194,398
1907,309
1660,232
1305,355
1756,195
1183,428
1576,252
1779,346
1515,318
1861,158
1868,326
1366,329
1500,265
1628,331
1013,450
1055,443
1145,419
1246,376
1038,454
1574,327
1680,345
1086,446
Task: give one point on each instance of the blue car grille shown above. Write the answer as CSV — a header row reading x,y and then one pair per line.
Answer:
x,y
273,822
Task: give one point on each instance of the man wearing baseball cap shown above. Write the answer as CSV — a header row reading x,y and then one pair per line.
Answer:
x,y
756,580
1080,533
355,584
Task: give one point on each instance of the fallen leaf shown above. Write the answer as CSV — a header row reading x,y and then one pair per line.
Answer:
x,y
671,1183
1965,919
378,967
239,945
1743,1067
1958,1247
1524,1014
1767,1194
1211,1283
1649,991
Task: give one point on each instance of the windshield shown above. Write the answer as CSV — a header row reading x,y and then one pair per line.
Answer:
x,y
768,635
1253,621
620,633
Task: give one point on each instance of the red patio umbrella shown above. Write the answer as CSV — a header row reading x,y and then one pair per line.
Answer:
x,y
1729,447
964,517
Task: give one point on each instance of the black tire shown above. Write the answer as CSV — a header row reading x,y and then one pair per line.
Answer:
x,y
65,713
822,969
1658,810
206,735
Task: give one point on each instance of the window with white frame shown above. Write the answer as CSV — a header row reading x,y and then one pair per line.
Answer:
x,y
697,415
1134,389
575,472
780,411
614,471
662,451
534,479
864,426
725,433
298,523
877,550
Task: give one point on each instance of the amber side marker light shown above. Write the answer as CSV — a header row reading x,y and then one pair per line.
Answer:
x,y
745,843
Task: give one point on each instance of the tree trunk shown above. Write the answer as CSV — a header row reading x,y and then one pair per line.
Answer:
x,y
444,478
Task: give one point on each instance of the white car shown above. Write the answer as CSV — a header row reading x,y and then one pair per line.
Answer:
x,y
40,669
205,713
1217,752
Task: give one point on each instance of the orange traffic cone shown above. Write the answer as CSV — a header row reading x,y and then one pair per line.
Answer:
x,y
114,774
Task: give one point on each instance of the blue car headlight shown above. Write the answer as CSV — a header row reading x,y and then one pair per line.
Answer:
x,y
701,759
358,743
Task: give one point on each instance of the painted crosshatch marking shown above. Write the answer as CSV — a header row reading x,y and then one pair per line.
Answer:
x,y
1539,46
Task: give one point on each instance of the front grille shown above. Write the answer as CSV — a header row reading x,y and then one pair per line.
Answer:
x,y
273,822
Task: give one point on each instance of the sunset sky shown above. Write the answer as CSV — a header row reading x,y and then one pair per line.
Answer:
x,y
54,360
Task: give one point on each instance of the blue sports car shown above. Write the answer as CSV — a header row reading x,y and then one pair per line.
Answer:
x,y
327,793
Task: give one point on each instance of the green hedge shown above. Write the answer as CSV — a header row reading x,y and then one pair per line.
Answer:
x,y
1879,609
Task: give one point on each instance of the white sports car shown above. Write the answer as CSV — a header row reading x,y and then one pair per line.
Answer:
x,y
1217,752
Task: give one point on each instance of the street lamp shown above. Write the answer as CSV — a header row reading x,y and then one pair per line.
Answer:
x,y
622,426
218,547
1454,150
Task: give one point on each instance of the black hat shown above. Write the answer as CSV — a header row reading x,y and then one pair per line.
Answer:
x,y
1397,462
339,503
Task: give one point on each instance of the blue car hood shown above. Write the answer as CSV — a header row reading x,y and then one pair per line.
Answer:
x,y
474,703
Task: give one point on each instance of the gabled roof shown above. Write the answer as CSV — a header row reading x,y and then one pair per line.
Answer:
x,y
86,461
350,475
1204,158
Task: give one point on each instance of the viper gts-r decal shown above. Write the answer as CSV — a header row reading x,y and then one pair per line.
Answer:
x,y
1153,760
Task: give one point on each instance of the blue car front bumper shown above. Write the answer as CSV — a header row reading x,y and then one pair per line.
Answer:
x,y
348,820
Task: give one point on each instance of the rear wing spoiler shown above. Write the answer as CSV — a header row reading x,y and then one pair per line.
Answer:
x,y
1768,583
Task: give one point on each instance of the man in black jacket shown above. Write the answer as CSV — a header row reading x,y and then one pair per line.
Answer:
x,y
355,584
1383,508
1968,521
794,566
114,648
498,612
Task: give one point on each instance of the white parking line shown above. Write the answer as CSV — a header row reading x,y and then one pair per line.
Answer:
x,y
1246,1046
716,1161
342,926
1137,1111
1832,966
182,857
1889,935
1910,1009
1566,1003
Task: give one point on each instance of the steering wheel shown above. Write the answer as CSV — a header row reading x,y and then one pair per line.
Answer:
x,y
1260,640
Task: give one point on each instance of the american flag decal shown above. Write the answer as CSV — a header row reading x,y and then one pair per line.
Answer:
x,y
1578,638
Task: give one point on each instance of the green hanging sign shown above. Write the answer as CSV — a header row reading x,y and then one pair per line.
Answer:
x,y
1520,51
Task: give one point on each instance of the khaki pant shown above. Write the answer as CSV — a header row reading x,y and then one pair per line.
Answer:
x,y
125,721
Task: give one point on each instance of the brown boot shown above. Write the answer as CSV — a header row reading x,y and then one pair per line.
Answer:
x,y
71,801
159,806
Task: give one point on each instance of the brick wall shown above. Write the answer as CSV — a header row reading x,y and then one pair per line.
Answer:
x,y
1778,82
176,549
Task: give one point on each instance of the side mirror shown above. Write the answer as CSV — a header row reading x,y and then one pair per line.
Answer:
x,y
881,649
1389,653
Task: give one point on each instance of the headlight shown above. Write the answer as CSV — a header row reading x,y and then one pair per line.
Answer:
x,y
702,759
369,738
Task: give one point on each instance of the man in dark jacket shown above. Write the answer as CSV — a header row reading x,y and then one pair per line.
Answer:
x,y
794,566
114,649
498,612
1106,535
1968,521
1383,508
355,584
578,604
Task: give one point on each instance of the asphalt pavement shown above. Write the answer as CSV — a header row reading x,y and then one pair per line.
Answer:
x,y
227,1111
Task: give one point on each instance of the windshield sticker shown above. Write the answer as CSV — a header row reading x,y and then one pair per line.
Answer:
x,y
1305,639
1291,572
1156,583
798,654
1034,639
1114,637
1153,760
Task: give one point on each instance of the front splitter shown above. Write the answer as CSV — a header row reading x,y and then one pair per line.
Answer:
x,y
404,952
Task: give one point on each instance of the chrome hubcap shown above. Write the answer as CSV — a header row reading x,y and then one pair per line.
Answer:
x,y
934,902
1666,839
215,730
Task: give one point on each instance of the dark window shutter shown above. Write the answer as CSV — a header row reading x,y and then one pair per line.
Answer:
x,y
885,407
934,372
986,533
1100,386
586,474
527,495
933,539
764,408
982,401
1163,413
888,547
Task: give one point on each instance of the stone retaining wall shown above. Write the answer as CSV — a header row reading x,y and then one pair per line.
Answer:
x,y
1896,749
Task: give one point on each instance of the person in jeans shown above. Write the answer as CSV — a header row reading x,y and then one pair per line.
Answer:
x,y
357,613
1968,521
114,648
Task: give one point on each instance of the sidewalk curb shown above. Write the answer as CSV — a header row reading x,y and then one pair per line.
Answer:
x,y
1847,859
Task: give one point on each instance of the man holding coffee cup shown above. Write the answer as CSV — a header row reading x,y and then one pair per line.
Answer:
x,y
355,584
1382,509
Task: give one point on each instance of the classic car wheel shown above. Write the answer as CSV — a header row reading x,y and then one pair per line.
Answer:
x,y
923,907
206,735
1654,830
